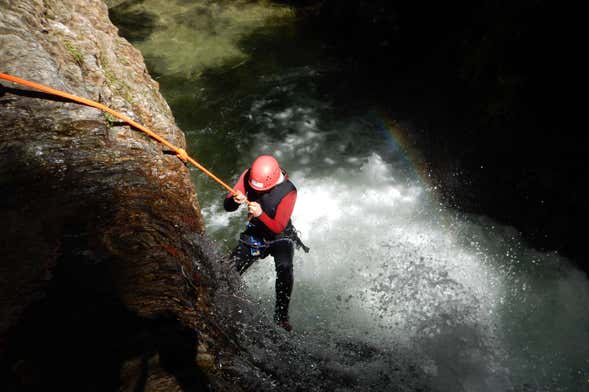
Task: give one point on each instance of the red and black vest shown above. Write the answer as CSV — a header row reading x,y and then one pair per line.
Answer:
x,y
268,200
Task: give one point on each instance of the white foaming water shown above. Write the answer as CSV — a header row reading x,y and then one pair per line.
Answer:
x,y
390,267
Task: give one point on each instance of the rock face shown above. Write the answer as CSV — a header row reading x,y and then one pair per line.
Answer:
x,y
105,279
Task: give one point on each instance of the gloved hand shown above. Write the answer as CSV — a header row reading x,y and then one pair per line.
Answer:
x,y
254,209
239,197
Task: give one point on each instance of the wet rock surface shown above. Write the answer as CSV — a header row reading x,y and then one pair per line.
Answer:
x,y
106,278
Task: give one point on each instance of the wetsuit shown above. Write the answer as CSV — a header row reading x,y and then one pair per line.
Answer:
x,y
273,230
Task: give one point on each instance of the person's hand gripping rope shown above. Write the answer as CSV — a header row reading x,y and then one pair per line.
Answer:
x,y
254,209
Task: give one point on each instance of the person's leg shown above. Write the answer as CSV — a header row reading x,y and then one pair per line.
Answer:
x,y
283,253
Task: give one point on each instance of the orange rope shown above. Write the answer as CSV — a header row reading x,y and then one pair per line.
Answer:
x,y
180,152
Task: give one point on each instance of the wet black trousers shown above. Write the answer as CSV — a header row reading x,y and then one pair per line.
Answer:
x,y
283,253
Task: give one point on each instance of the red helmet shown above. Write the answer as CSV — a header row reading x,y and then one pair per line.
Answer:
x,y
265,173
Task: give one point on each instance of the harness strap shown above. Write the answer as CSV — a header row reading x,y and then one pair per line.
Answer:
x,y
266,244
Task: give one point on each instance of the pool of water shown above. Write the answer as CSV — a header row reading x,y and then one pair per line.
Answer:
x,y
397,289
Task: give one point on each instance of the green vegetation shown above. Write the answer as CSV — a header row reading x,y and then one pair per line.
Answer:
x,y
109,75
114,82
74,52
110,120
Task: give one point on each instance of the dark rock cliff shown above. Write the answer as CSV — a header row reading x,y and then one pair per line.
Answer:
x,y
106,281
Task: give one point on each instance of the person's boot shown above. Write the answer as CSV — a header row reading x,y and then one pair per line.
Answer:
x,y
284,324
282,320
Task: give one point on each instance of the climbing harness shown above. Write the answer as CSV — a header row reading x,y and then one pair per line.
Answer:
x,y
180,152
255,245
258,246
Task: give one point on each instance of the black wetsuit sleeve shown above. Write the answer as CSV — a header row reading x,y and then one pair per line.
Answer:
x,y
229,204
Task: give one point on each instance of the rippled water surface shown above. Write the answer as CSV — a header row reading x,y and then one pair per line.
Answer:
x,y
398,292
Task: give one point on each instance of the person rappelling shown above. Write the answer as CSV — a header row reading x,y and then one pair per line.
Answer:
x,y
270,197
264,187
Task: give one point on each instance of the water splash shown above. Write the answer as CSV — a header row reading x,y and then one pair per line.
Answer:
x,y
396,287
390,267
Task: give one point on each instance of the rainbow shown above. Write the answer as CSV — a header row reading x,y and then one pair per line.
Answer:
x,y
400,145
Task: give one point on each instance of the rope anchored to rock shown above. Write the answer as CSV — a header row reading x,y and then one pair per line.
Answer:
x,y
180,152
